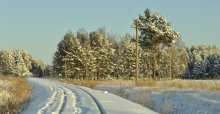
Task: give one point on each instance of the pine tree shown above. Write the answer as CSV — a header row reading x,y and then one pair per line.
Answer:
x,y
203,62
213,66
15,62
146,64
74,58
157,32
128,57
7,61
102,52
88,59
61,62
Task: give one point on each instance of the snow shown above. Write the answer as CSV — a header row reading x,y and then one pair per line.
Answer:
x,y
117,105
51,97
171,101
186,101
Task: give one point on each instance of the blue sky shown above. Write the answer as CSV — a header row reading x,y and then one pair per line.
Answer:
x,y
38,25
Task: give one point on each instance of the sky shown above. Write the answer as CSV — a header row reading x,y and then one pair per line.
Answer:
x,y
38,25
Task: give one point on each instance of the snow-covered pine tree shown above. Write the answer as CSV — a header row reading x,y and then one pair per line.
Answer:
x,y
76,58
177,60
60,60
164,64
183,57
203,62
19,67
127,57
27,58
102,52
112,38
15,62
57,69
213,66
88,59
83,37
146,64
157,33
7,61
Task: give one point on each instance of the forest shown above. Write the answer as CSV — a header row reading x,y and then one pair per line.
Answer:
x,y
162,54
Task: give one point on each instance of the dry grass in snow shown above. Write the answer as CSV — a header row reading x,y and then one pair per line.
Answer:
x,y
159,85
14,92
93,83
210,85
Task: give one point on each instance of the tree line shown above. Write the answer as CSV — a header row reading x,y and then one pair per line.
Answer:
x,y
18,62
162,54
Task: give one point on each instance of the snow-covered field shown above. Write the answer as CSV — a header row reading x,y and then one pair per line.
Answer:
x,y
51,97
186,102
171,101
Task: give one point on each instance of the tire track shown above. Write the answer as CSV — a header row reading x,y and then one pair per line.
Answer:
x,y
64,99
78,90
98,104
61,100
71,99
52,101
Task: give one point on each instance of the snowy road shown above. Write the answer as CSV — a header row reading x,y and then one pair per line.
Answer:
x,y
51,97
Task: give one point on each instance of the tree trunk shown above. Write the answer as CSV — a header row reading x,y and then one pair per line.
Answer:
x,y
171,61
154,60
97,74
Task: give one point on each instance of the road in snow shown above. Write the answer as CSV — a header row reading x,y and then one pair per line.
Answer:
x,y
51,97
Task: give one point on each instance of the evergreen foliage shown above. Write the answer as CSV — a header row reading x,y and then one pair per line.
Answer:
x,y
96,57
18,63
99,55
155,33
